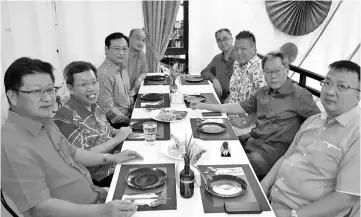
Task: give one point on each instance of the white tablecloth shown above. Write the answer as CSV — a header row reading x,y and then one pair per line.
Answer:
x,y
153,154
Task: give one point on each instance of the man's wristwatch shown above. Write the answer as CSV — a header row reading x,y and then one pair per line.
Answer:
x,y
294,213
105,158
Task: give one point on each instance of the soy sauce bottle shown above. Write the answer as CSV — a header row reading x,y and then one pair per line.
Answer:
x,y
186,182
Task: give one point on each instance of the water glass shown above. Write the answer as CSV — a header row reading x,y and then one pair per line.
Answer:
x,y
150,132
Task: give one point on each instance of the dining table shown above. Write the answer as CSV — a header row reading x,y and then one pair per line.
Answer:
x,y
154,154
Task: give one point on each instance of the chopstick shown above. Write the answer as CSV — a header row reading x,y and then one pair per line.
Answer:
x,y
147,198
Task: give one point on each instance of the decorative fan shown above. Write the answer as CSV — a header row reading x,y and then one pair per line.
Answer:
x,y
290,50
297,17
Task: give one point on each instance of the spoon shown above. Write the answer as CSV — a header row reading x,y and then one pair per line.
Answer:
x,y
204,179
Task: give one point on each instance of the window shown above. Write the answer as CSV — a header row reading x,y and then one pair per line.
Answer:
x,y
177,50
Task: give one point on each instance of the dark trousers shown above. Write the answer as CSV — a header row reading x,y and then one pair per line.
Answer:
x,y
104,182
259,164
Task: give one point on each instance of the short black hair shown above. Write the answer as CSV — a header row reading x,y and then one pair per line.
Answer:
x,y
246,35
222,30
77,67
22,67
115,35
346,65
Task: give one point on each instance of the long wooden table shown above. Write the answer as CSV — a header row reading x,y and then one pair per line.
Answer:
x,y
152,154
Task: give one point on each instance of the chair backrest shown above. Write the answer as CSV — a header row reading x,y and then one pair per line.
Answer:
x,y
8,208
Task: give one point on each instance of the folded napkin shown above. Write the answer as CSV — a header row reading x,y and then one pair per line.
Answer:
x,y
234,171
210,114
148,198
213,120
150,104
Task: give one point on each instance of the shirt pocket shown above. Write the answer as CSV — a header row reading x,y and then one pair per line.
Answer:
x,y
325,157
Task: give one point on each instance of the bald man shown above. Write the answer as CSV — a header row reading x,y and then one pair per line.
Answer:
x,y
137,63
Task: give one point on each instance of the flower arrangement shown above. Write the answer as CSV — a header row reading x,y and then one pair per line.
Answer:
x,y
191,154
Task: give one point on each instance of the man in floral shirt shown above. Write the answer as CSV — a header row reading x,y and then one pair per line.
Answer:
x,y
84,123
247,75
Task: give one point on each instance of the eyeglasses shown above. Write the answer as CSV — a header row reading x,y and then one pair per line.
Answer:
x,y
275,71
220,40
38,93
339,87
86,85
118,49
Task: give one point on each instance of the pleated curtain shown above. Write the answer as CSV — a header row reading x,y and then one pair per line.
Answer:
x,y
159,19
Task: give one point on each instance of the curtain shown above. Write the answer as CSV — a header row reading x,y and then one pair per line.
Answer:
x,y
159,19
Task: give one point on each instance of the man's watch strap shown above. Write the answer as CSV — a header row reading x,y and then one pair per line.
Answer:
x,y
105,158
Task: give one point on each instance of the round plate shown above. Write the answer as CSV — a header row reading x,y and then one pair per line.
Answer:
x,y
152,96
146,178
181,115
226,186
199,98
136,125
194,78
212,127
156,78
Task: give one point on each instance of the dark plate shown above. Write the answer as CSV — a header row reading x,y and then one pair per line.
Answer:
x,y
194,78
136,125
212,128
199,98
152,97
156,78
146,178
226,186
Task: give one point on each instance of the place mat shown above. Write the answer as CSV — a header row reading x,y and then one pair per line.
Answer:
x,y
184,82
168,189
214,204
166,81
226,135
163,130
210,99
165,104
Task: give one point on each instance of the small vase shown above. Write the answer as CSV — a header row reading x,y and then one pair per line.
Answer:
x,y
186,182
173,86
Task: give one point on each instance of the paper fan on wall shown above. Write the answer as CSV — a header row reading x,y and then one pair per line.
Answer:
x,y
297,17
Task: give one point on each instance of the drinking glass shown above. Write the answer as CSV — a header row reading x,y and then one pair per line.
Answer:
x,y
150,132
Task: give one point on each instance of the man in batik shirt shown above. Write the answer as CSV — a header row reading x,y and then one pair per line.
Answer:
x,y
247,76
84,123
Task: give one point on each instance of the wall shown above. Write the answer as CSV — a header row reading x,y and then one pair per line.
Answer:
x,y
78,29
337,42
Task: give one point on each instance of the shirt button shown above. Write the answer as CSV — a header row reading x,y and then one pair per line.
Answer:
x,y
304,154
292,165
314,140
276,189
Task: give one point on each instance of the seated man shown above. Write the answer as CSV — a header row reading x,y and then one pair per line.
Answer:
x,y
115,95
83,122
319,175
42,172
247,76
137,63
281,108
220,69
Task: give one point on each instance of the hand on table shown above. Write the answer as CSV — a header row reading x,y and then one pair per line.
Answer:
x,y
118,208
126,155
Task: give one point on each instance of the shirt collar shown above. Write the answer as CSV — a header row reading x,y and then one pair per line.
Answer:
x,y
346,117
133,52
284,89
33,127
74,104
230,59
111,65
249,63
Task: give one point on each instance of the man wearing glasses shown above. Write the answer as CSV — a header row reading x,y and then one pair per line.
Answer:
x,y
41,171
115,95
281,107
220,69
319,175
83,122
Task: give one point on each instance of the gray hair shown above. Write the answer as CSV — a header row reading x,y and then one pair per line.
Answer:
x,y
275,54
